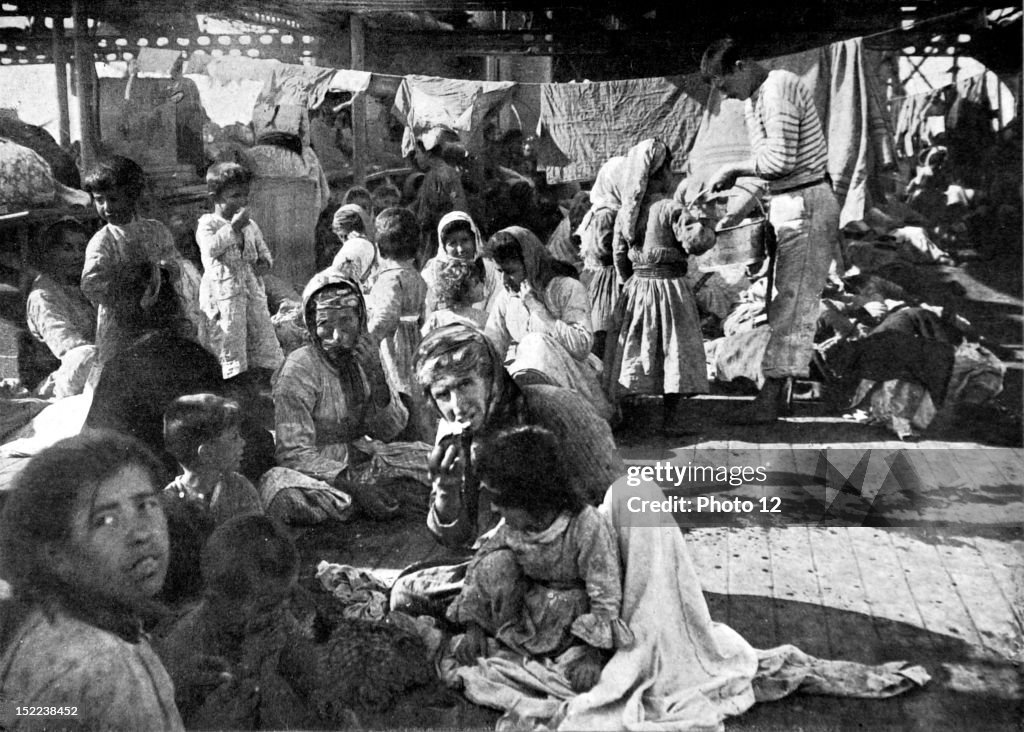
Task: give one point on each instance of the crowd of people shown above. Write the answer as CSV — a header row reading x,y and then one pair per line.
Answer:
x,y
430,342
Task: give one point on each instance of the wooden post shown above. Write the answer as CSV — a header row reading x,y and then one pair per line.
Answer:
x,y
60,66
84,73
357,41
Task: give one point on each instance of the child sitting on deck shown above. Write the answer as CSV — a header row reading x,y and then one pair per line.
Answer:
x,y
235,257
548,582
201,431
459,286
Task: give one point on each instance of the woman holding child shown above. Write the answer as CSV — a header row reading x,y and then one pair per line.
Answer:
x,y
461,241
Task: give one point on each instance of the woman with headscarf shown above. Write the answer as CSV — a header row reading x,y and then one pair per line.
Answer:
x,y
334,408
596,232
540,323
460,240
358,255
463,377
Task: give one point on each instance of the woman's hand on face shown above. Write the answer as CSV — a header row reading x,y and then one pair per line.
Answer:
x,y
366,352
446,468
530,297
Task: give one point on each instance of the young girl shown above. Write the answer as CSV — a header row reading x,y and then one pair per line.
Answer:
x,y
548,582
395,306
116,185
459,286
659,315
235,257
357,254
83,543
461,241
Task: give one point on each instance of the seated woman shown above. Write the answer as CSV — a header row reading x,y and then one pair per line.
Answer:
x,y
334,408
461,241
463,377
547,583
540,323
57,312
83,543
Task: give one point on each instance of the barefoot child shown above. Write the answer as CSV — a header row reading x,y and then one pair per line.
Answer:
x,y
235,257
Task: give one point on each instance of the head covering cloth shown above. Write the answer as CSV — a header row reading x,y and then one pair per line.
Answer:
x,y
459,350
641,161
537,259
446,222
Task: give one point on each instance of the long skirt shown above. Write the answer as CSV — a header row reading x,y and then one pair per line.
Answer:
x,y
603,291
660,349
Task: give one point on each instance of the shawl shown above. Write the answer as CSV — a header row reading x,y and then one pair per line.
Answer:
x,y
348,289
605,193
640,161
459,349
537,259
446,221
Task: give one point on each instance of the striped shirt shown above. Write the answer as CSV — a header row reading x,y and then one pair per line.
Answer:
x,y
785,133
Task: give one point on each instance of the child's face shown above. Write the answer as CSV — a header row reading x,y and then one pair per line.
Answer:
x,y
460,244
522,520
232,200
115,205
224,452
68,257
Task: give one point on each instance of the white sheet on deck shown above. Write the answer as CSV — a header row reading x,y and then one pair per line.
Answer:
x,y
685,672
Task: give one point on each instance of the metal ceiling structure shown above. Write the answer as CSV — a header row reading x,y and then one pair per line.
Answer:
x,y
667,35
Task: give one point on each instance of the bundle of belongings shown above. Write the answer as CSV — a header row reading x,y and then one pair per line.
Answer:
x,y
886,357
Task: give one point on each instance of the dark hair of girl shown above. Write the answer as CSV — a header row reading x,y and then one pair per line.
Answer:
x,y
523,467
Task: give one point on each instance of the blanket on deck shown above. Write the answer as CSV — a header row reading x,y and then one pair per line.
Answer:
x,y
683,672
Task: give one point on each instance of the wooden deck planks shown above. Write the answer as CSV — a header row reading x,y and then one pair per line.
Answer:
x,y
991,611
750,586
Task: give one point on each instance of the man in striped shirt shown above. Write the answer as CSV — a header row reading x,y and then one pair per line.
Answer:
x,y
788,150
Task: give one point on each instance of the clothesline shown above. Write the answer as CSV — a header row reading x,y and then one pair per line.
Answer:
x,y
397,78
938,89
